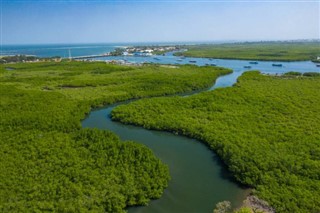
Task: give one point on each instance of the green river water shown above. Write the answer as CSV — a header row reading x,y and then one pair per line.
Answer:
x,y
199,180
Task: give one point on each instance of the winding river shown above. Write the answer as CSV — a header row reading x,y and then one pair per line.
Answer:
x,y
198,179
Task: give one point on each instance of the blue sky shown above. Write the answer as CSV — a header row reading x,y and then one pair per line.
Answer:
x,y
62,21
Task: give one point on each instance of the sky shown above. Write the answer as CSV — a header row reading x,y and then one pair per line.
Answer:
x,y
111,21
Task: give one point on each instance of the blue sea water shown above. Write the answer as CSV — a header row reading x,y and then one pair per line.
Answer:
x,y
238,66
62,50
211,182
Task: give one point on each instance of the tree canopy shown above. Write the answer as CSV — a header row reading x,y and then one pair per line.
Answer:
x,y
265,129
49,163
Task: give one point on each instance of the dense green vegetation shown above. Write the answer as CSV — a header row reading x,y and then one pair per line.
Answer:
x,y
307,74
265,129
49,163
24,58
264,51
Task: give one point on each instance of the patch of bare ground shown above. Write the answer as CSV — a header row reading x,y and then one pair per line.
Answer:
x,y
257,205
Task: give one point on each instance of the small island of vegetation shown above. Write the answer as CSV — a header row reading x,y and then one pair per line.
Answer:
x,y
27,59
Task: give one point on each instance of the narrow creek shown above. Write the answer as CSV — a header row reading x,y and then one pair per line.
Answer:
x,y
198,178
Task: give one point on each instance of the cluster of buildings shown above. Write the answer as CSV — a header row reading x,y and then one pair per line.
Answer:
x,y
147,50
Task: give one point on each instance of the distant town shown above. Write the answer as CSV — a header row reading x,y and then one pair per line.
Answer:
x,y
216,51
123,51
144,50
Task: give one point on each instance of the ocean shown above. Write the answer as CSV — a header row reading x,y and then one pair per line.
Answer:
x,y
62,50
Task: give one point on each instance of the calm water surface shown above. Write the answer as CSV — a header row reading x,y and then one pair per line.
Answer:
x,y
61,50
199,180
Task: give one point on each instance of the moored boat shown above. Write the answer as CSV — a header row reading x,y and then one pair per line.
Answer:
x,y
277,65
253,62
193,61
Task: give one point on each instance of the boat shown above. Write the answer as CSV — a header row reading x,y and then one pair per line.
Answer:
x,y
247,67
156,59
193,61
253,62
213,65
277,65
318,65
179,60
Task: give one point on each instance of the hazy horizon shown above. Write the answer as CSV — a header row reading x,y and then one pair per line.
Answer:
x,y
106,22
166,42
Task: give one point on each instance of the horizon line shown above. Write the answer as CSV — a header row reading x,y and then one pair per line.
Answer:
x,y
172,42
